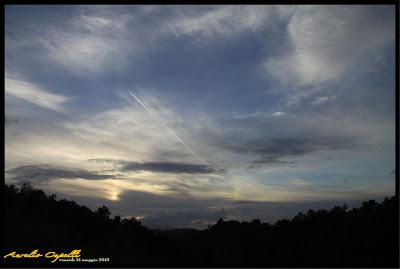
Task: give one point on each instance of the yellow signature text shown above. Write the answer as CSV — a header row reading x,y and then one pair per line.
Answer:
x,y
73,254
33,254
49,255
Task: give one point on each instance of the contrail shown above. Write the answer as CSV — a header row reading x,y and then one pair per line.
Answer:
x,y
166,128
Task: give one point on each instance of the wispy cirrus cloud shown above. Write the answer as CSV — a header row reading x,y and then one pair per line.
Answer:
x,y
35,94
223,20
89,44
80,52
327,44
96,40
328,41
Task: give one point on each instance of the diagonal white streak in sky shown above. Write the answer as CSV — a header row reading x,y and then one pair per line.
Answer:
x,y
166,128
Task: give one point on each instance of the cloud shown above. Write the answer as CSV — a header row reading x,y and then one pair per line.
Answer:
x,y
269,160
84,41
166,127
328,41
137,134
223,20
272,150
300,146
42,173
79,51
322,99
264,139
179,178
159,167
35,94
279,113
186,189
97,22
295,97
100,39
90,42
168,167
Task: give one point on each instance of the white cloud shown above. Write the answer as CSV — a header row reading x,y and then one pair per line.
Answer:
x,y
90,43
35,94
223,20
328,41
279,113
322,99
134,131
98,23
80,52
99,38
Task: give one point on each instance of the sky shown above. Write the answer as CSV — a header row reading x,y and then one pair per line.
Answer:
x,y
180,115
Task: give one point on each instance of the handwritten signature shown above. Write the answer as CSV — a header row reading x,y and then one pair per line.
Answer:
x,y
76,253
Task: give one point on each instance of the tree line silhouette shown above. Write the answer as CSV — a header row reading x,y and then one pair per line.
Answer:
x,y
339,237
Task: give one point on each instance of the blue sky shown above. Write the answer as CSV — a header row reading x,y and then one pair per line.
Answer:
x,y
182,114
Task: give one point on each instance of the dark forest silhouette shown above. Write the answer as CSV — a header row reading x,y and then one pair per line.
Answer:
x,y
340,237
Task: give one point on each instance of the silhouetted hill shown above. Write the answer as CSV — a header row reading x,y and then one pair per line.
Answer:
x,y
360,237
